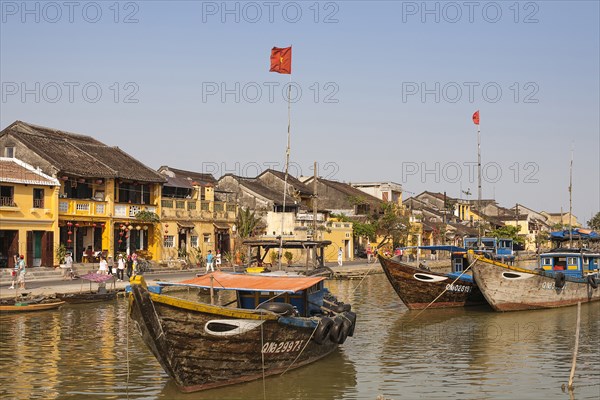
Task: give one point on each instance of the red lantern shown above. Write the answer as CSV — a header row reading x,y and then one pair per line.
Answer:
x,y
126,230
122,226
69,240
103,225
120,241
69,223
120,233
76,225
166,225
69,233
94,225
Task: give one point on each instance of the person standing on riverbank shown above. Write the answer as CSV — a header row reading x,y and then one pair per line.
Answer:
x,y
120,268
15,272
103,268
129,271
340,256
209,261
68,266
22,272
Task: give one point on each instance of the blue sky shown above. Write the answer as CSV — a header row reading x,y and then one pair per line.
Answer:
x,y
387,89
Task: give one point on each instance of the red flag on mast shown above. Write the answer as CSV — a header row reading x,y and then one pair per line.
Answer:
x,y
476,117
281,60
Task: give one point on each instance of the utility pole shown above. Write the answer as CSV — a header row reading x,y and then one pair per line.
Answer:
x,y
314,201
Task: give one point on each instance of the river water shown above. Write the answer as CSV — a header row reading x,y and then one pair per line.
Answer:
x,y
94,352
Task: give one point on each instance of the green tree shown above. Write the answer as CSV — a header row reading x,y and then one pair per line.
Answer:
x,y
508,232
147,216
594,223
391,225
248,223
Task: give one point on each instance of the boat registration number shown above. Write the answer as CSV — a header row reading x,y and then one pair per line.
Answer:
x,y
458,288
551,285
282,347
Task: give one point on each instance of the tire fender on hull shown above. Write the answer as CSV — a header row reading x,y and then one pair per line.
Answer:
x,y
592,281
323,329
560,280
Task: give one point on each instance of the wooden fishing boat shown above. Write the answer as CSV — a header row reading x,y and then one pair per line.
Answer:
x,y
274,324
101,294
87,297
419,288
563,277
24,306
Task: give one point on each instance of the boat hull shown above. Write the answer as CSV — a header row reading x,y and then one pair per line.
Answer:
x,y
419,289
31,307
197,359
511,289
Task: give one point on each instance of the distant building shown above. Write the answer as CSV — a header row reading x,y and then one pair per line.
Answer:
x,y
563,219
386,191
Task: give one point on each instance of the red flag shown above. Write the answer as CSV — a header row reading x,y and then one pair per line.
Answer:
x,y
476,117
281,60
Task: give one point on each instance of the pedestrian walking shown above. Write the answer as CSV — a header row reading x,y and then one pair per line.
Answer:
x,y
15,272
369,254
129,271
22,272
218,260
103,268
340,257
120,268
134,263
209,261
111,266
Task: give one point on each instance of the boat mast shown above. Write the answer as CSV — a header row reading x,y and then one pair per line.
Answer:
x,y
479,185
571,201
287,164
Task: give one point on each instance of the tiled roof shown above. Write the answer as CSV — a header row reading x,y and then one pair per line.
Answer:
x,y
16,171
198,177
291,181
80,155
351,191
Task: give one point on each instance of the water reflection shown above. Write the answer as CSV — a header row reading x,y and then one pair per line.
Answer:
x,y
93,351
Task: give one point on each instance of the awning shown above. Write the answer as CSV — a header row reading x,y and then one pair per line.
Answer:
x,y
185,224
221,227
233,281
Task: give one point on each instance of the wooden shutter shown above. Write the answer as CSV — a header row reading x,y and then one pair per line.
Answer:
x,y
29,254
13,249
48,249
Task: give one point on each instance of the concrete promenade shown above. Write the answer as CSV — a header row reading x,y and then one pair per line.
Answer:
x,y
47,281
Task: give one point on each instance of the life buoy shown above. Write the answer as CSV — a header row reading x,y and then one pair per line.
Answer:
x,y
283,309
592,281
323,329
339,331
560,280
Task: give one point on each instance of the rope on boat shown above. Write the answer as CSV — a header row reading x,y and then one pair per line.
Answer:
x,y
262,356
301,351
445,290
127,351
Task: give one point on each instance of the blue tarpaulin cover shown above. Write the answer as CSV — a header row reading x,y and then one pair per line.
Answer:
x,y
576,233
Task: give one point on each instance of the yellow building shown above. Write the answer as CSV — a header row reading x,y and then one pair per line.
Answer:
x,y
193,219
103,191
340,235
28,214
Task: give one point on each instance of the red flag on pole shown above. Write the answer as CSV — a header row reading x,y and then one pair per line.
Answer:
x,y
281,60
476,117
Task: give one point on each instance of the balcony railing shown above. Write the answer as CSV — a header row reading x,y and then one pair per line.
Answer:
x,y
82,207
131,210
203,210
7,202
38,203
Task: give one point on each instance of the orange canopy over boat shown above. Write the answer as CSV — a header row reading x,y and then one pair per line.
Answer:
x,y
262,283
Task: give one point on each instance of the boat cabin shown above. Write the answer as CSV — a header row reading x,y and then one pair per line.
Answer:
x,y
304,293
497,248
573,262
